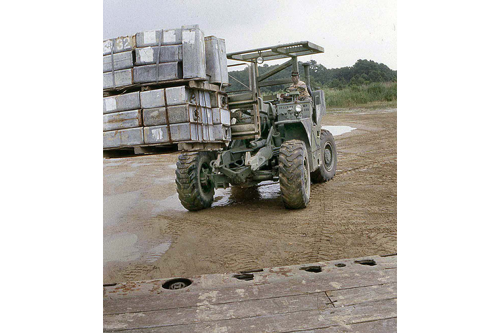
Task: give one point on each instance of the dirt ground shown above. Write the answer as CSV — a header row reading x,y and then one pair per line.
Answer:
x,y
149,235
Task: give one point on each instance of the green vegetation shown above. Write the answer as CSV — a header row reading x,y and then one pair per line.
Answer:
x,y
355,95
364,83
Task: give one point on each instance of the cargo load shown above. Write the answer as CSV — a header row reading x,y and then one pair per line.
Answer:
x,y
149,95
156,56
165,116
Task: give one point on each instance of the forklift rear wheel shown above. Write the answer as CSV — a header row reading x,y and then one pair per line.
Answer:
x,y
195,189
294,174
328,166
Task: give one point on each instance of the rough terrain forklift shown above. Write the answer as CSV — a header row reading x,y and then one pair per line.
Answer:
x,y
276,138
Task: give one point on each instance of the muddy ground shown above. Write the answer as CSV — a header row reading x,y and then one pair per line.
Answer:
x,y
148,234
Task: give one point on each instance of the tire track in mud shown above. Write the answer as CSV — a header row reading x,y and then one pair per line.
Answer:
x,y
366,167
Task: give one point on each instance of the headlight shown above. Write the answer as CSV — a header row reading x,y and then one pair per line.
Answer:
x,y
298,107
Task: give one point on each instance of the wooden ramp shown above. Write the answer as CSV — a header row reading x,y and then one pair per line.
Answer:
x,y
352,295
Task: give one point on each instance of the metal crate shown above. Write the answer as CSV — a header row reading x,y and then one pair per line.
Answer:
x,y
154,73
123,102
153,37
153,98
184,132
119,44
155,116
193,52
222,133
221,116
121,60
123,138
179,95
121,78
183,114
149,55
206,116
156,134
122,120
215,49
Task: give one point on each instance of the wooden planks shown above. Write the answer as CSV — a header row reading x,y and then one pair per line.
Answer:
x,y
345,296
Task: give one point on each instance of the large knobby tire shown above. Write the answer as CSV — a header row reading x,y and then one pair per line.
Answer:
x,y
294,174
328,166
194,189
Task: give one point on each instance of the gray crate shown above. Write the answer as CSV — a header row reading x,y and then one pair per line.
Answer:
x,y
153,98
156,134
123,138
121,60
215,49
184,132
111,139
199,128
179,95
122,78
122,120
211,132
193,53
123,102
172,36
149,55
222,133
208,133
153,73
221,116
148,38
206,99
201,98
119,44
206,116
218,100
152,38
225,117
183,114
153,117
206,136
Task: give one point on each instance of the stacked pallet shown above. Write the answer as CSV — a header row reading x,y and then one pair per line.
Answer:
x,y
165,116
137,114
164,55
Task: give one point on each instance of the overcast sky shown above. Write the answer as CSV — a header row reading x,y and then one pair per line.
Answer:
x,y
348,30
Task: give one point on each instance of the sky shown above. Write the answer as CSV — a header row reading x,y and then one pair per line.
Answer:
x,y
347,30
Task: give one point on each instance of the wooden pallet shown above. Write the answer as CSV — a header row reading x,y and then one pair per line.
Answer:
x,y
140,150
354,295
162,148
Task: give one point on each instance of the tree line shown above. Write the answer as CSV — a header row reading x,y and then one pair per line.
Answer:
x,y
363,72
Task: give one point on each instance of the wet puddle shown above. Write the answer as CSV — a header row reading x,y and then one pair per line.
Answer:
x,y
171,203
338,130
120,247
117,205
123,247
223,197
235,195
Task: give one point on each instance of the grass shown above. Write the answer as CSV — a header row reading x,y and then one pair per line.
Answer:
x,y
370,95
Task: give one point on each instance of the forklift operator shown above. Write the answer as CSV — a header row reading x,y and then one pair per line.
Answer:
x,y
299,86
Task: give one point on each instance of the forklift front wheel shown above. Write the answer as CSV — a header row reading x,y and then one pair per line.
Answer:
x,y
194,187
294,174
